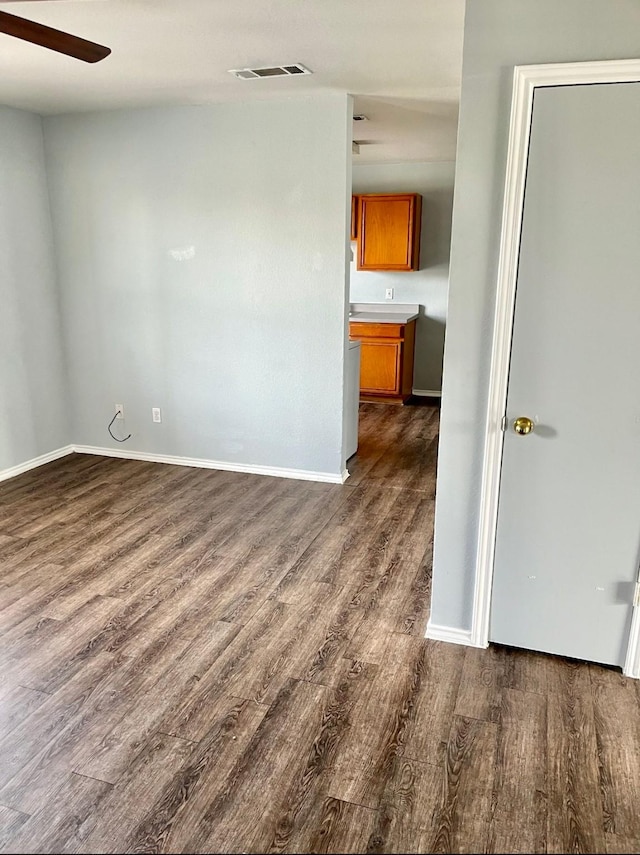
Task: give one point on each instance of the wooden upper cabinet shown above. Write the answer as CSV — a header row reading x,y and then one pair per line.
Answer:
x,y
388,231
354,217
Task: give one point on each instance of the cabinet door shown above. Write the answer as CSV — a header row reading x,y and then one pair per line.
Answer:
x,y
389,232
380,363
354,217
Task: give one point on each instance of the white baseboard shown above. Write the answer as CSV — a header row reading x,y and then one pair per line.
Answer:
x,y
277,472
201,463
12,471
451,634
427,393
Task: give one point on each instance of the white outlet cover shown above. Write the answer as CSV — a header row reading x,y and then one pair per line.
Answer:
x,y
156,415
388,294
119,410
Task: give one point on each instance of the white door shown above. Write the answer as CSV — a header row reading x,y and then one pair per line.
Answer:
x,y
568,532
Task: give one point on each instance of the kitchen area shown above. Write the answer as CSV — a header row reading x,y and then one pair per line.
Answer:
x,y
398,290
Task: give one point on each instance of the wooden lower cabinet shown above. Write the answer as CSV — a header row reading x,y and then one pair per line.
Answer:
x,y
386,360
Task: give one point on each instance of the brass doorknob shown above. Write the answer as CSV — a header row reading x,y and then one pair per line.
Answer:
x,y
522,425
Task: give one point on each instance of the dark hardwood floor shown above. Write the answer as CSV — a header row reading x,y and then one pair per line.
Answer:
x,y
200,661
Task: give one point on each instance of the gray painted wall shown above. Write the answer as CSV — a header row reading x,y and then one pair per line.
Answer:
x,y
202,261
427,286
498,35
33,393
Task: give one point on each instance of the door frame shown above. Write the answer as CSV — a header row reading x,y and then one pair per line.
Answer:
x,y
526,78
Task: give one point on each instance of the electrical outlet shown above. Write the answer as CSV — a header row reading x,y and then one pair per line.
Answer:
x,y
388,294
119,411
156,415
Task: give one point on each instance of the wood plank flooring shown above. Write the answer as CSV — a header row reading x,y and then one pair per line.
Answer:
x,y
200,661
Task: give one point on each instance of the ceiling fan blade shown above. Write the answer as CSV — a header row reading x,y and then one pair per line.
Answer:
x,y
56,40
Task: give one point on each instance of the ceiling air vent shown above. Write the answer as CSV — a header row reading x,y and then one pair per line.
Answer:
x,y
270,71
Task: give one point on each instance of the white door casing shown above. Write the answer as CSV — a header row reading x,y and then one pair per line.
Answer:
x,y
526,79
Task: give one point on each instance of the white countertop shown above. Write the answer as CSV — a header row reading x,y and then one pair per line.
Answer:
x,y
383,313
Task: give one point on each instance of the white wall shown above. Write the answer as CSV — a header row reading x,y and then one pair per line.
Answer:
x,y
428,286
202,261
498,35
33,393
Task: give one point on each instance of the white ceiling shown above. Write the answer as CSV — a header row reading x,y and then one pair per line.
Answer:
x,y
401,59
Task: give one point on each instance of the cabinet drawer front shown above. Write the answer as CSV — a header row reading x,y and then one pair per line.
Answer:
x,y
380,367
361,330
